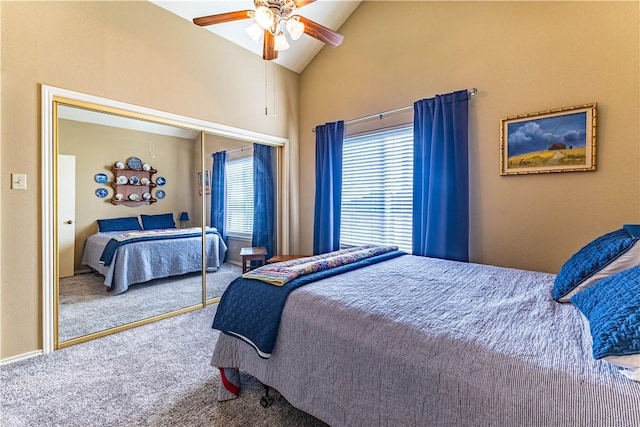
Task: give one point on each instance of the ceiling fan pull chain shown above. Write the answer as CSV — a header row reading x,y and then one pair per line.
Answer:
x,y
273,67
266,101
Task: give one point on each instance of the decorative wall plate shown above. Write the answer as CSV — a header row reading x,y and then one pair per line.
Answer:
x,y
134,163
119,165
160,180
160,194
133,180
102,193
146,196
145,181
122,180
134,197
146,167
119,196
101,178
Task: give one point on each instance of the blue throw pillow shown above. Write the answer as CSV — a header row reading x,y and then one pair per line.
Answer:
x,y
155,222
118,224
612,307
603,257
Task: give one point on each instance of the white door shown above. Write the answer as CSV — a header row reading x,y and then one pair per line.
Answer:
x,y
66,214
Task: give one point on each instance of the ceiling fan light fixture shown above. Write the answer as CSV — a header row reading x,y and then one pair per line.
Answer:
x,y
264,17
281,42
255,32
295,28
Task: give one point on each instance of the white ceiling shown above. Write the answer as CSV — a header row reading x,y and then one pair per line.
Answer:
x,y
99,118
330,13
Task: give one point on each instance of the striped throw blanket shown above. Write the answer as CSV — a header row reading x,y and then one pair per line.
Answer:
x,y
283,272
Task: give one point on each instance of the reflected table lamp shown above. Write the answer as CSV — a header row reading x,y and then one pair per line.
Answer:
x,y
184,217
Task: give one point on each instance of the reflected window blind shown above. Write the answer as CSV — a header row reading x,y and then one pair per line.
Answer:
x,y
239,192
377,187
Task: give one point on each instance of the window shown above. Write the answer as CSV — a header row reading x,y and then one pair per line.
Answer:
x,y
239,210
377,187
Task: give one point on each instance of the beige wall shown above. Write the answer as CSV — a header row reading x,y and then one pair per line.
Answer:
x,y
133,52
523,57
97,148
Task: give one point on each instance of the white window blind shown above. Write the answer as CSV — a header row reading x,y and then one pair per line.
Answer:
x,y
239,191
377,187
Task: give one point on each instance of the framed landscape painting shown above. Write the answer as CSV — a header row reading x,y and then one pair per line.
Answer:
x,y
561,140
207,189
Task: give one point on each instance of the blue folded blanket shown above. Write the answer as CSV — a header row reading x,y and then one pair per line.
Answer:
x,y
251,309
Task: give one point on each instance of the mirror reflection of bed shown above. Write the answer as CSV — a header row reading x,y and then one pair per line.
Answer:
x,y
146,278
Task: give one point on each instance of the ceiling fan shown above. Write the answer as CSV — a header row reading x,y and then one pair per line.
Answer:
x,y
270,16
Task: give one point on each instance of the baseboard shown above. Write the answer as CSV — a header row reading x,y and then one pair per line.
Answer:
x,y
19,357
82,271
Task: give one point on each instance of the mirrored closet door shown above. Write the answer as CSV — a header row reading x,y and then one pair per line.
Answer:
x,y
128,185
127,230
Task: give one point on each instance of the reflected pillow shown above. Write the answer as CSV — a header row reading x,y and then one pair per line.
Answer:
x,y
603,257
612,307
118,224
156,222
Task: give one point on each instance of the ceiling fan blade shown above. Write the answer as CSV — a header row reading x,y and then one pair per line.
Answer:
x,y
320,32
301,3
223,17
268,51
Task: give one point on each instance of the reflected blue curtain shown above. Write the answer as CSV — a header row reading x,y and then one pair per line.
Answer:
x,y
264,198
218,192
441,177
328,200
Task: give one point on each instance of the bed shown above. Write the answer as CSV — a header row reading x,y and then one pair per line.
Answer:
x,y
145,260
417,341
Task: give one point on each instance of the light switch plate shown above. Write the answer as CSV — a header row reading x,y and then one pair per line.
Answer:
x,y
18,181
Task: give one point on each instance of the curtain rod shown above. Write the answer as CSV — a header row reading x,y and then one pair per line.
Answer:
x,y
237,149
472,92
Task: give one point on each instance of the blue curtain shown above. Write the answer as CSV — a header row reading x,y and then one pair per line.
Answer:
x,y
441,177
264,198
218,192
328,201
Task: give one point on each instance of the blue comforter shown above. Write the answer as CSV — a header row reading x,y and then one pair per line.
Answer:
x,y
113,244
251,309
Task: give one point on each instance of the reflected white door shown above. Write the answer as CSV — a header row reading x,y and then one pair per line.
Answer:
x,y
66,214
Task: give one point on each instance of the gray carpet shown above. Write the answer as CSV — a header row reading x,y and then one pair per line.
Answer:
x,y
86,307
153,375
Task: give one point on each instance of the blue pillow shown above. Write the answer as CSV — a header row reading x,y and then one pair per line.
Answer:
x,y
155,222
612,307
603,257
118,224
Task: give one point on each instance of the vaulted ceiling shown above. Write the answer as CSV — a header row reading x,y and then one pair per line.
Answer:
x,y
329,13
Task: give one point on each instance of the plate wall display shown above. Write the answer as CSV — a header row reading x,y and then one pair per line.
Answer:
x,y
144,181
134,197
133,180
134,163
160,180
101,178
146,196
122,180
160,194
119,196
102,193
119,165
146,167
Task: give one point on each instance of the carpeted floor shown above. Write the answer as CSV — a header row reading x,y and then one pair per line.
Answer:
x,y
153,375
86,307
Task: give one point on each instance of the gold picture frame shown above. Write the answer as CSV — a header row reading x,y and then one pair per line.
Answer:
x,y
206,182
560,140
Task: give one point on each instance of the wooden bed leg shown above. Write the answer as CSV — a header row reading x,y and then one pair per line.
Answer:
x,y
266,400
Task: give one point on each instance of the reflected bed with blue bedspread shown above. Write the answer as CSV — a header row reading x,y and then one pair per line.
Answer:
x,y
143,260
